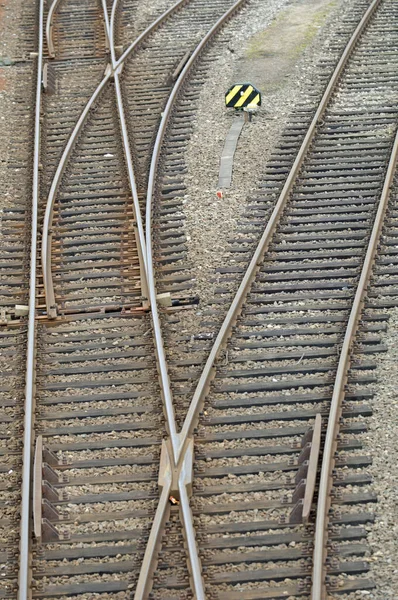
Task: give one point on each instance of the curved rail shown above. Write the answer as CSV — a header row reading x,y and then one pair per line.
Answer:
x,y
174,454
179,4
180,443
319,591
177,446
158,21
47,235
127,151
25,537
237,303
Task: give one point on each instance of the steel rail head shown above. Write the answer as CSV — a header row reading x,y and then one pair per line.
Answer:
x,y
148,566
140,238
126,149
319,591
237,303
111,30
185,487
107,25
48,216
24,573
193,554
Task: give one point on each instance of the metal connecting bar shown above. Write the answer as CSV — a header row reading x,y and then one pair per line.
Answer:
x,y
24,573
319,591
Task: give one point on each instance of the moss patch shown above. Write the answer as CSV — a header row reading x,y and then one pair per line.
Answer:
x,y
271,54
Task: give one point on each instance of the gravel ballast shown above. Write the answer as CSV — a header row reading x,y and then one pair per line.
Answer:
x,y
211,221
381,442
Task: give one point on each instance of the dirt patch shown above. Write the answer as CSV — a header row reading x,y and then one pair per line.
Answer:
x,y
272,54
3,80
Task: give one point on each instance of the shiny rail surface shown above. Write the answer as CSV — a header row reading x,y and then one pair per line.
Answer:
x,y
177,465
176,455
319,577
177,452
24,574
250,274
112,72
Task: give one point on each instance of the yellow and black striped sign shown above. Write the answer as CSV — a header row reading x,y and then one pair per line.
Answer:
x,y
241,95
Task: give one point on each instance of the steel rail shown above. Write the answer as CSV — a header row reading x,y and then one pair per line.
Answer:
x,y
208,372
176,445
179,4
47,224
319,574
165,480
111,29
127,155
180,481
24,573
48,216
106,22
152,27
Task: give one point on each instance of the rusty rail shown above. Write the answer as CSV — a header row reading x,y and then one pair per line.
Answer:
x,y
49,28
319,591
46,242
312,468
24,573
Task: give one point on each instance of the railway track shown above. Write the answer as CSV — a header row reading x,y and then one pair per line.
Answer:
x,y
247,413
75,365
262,403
